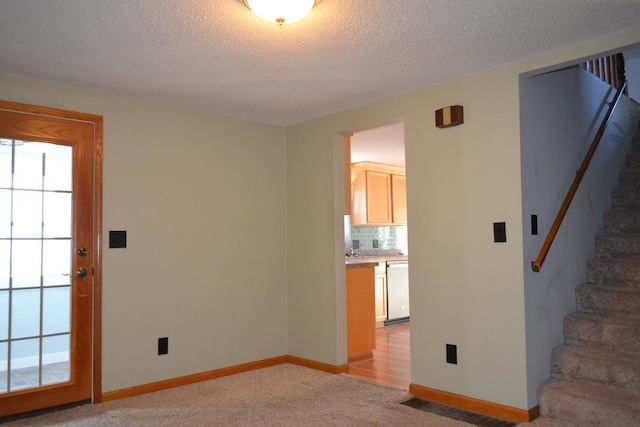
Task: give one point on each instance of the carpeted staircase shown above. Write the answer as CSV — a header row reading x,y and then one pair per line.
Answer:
x,y
595,375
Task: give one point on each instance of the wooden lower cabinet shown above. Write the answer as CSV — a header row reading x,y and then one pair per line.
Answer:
x,y
361,316
381,293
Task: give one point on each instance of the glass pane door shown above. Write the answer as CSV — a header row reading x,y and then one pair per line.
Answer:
x,y
36,205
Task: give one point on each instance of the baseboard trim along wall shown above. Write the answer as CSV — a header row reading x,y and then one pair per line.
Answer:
x,y
475,405
218,373
319,366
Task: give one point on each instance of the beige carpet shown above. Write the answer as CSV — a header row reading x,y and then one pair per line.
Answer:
x,y
283,395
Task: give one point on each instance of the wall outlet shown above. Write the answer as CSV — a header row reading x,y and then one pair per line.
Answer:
x,y
534,225
163,346
356,244
452,354
376,244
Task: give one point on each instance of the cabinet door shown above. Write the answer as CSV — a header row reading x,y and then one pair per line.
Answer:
x,y
378,198
361,319
346,151
399,198
381,297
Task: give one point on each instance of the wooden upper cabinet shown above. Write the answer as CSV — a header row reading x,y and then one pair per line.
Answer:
x,y
376,189
399,198
346,151
378,198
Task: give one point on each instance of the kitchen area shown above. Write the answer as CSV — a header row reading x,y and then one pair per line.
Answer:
x,y
376,251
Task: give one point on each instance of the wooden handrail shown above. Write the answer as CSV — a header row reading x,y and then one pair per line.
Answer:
x,y
537,264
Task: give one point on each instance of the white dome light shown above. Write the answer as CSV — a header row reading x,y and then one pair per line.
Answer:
x,y
281,11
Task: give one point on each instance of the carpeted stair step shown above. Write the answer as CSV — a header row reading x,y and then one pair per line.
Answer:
x,y
608,301
630,178
614,272
625,198
588,406
610,245
635,142
596,373
633,159
597,367
591,330
622,221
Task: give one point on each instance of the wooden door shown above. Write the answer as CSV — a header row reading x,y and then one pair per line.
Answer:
x,y
49,255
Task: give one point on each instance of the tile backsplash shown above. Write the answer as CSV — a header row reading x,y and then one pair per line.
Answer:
x,y
391,237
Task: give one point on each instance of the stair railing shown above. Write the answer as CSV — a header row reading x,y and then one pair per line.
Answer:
x,y
537,264
610,69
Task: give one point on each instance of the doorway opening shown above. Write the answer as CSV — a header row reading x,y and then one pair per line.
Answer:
x,y
376,229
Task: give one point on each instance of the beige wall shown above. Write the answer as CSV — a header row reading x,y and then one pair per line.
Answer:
x,y
465,289
203,201
235,236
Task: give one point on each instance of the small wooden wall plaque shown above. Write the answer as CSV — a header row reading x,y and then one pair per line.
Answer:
x,y
449,116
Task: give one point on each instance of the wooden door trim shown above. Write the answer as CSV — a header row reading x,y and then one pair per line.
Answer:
x,y
97,121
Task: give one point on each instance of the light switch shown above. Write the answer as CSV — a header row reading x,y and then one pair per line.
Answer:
x,y
499,232
163,346
452,354
117,239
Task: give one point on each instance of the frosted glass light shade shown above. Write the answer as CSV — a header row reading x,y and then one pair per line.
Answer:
x,y
281,11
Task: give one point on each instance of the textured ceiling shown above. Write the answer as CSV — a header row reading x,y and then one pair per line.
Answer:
x,y
384,144
216,56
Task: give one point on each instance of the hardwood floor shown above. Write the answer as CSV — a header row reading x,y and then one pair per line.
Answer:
x,y
391,363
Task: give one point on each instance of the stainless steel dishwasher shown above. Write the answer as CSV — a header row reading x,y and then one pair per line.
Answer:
x,y
397,292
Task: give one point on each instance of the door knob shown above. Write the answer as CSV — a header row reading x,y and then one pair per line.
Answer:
x,y
80,273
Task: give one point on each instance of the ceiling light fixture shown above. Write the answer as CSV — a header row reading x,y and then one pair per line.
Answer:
x,y
281,11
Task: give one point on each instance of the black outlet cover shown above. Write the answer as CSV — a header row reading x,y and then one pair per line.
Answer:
x,y
117,239
534,225
452,354
163,346
499,232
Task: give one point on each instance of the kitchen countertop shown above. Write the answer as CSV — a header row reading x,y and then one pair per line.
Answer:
x,y
373,260
359,262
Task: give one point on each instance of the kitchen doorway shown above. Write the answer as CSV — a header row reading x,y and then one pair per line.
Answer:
x,y
376,226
